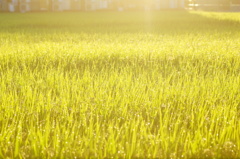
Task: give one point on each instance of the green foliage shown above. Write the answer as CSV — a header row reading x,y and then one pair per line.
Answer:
x,y
121,85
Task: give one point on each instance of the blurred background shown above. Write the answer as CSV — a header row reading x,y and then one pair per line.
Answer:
x,y
117,5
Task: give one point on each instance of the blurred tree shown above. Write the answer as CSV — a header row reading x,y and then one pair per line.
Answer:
x,y
83,5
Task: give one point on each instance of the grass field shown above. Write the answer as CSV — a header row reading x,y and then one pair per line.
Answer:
x,y
120,85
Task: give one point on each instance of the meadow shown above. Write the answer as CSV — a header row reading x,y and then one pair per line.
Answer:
x,y
120,85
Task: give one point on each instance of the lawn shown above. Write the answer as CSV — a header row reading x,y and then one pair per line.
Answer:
x,y
120,85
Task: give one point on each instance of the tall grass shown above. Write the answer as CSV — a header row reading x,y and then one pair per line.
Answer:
x,y
120,85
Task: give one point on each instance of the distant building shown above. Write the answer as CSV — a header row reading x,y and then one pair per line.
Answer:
x,y
87,5
153,4
172,4
235,5
214,5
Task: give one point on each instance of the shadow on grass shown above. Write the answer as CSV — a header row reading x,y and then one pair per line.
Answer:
x,y
162,22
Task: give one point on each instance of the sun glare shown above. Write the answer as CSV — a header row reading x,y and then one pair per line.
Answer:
x,y
119,79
